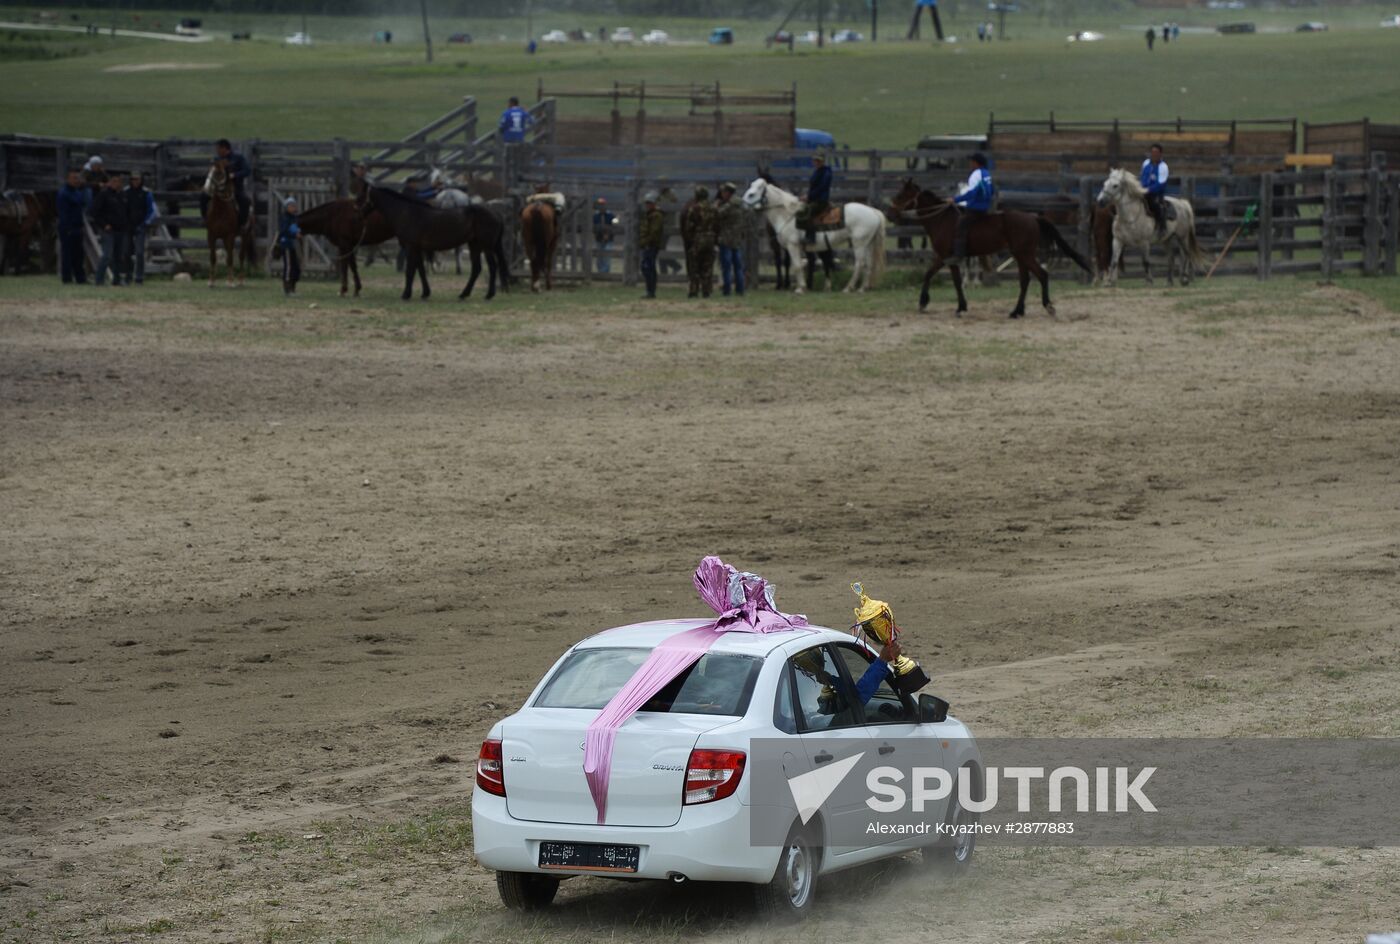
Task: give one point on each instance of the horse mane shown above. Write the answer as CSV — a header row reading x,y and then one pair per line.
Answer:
x,y
1130,183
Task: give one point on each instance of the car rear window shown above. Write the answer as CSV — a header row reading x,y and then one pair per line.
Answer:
x,y
718,684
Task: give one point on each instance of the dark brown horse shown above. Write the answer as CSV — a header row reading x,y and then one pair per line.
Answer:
x,y
347,224
25,217
1019,233
1103,241
539,232
221,226
423,229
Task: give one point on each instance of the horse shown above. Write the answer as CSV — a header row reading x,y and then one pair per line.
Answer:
x,y
539,231
863,229
221,225
1015,231
782,260
348,224
1103,242
423,229
1134,227
25,215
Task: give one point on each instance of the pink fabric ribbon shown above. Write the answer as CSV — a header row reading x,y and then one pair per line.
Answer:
x,y
744,604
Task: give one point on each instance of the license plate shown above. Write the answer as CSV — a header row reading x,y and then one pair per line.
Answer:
x,y
588,857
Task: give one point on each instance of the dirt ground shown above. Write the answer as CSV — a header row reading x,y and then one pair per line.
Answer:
x,y
269,572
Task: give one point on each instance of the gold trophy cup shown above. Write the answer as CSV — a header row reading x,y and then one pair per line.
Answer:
x,y
875,620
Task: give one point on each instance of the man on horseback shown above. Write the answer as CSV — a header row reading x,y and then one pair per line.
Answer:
x,y
818,195
974,202
1154,181
238,171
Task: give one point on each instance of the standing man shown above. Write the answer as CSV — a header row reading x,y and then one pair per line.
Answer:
x,y
1154,181
109,218
1166,33
974,202
733,225
603,232
288,240
139,205
515,121
651,237
698,229
95,171
919,7
74,198
1151,38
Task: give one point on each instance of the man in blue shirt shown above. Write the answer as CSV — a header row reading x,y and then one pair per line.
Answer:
x,y
515,121
73,200
1154,181
975,202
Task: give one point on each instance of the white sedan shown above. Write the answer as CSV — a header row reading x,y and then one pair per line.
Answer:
x,y
656,38
681,801
555,36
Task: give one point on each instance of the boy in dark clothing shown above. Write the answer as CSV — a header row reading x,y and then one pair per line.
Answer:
x,y
288,240
651,238
109,219
140,206
73,201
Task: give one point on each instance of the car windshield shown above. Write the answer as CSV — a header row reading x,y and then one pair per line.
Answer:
x,y
718,684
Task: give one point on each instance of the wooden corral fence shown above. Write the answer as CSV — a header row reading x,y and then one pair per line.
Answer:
x,y
711,117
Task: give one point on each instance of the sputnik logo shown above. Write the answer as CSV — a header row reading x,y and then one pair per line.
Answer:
x,y
812,789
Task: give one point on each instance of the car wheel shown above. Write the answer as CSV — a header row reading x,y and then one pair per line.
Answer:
x,y
954,859
789,896
526,891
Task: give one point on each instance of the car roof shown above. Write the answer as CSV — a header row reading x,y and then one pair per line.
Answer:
x,y
649,634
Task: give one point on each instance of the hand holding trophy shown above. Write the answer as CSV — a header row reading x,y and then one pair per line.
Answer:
x,y
875,621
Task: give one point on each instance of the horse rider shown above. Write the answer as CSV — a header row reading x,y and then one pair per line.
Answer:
x,y
1154,181
699,229
974,202
515,121
236,165
651,237
818,194
420,189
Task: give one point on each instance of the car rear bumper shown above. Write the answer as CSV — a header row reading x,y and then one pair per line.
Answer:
x,y
710,843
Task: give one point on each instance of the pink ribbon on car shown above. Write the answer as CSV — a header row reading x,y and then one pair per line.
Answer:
x,y
744,604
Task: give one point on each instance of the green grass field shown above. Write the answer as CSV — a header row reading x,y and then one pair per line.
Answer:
x,y
885,94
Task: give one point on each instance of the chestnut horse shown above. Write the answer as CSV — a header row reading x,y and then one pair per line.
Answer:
x,y
221,226
1017,232
23,217
539,231
348,224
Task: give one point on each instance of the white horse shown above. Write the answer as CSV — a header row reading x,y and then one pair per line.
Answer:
x,y
864,231
1135,228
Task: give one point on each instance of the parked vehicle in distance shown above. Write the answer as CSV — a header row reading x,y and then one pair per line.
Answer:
x,y
721,36
811,37
623,34
555,36
299,39
1312,27
460,38
847,36
681,804
780,38
1225,4
1235,28
657,38
1391,22
189,26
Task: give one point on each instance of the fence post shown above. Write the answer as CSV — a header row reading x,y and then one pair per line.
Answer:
x,y
1329,212
631,247
1086,226
340,166
469,125
1371,256
1392,227
1265,226
872,186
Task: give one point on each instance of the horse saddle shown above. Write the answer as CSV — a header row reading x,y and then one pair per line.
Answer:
x,y
1168,210
832,218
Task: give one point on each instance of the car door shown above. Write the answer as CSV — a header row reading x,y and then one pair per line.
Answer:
x,y
831,728
892,722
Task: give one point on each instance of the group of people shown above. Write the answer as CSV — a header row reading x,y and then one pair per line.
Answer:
x,y
120,208
1170,31
710,229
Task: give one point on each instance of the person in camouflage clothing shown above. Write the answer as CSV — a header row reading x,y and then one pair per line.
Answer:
x,y
733,233
651,238
699,229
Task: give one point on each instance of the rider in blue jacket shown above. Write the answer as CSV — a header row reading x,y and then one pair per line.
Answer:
x,y
1154,181
818,193
975,202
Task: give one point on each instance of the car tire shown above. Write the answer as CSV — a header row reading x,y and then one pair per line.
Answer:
x,y
954,859
789,896
526,891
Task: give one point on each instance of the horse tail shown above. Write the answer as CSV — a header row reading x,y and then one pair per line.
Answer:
x,y
502,263
540,238
1194,253
877,255
1048,231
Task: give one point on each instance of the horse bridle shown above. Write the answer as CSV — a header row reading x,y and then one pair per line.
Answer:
x,y
916,214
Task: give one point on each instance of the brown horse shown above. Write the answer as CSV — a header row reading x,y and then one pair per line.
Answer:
x,y
539,231
23,217
221,226
348,224
1103,242
1019,233
422,229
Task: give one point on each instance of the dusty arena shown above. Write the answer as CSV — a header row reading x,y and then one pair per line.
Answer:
x,y
271,570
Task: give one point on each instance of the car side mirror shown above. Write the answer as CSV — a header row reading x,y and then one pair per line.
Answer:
x,y
932,709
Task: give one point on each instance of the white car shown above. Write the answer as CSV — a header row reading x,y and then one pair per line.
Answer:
x,y
657,38
299,39
847,36
623,34
1391,22
681,803
555,36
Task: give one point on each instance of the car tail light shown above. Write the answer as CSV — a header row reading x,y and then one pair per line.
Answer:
x,y
490,772
712,775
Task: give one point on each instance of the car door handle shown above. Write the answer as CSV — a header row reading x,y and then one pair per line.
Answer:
x,y
822,758
886,749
